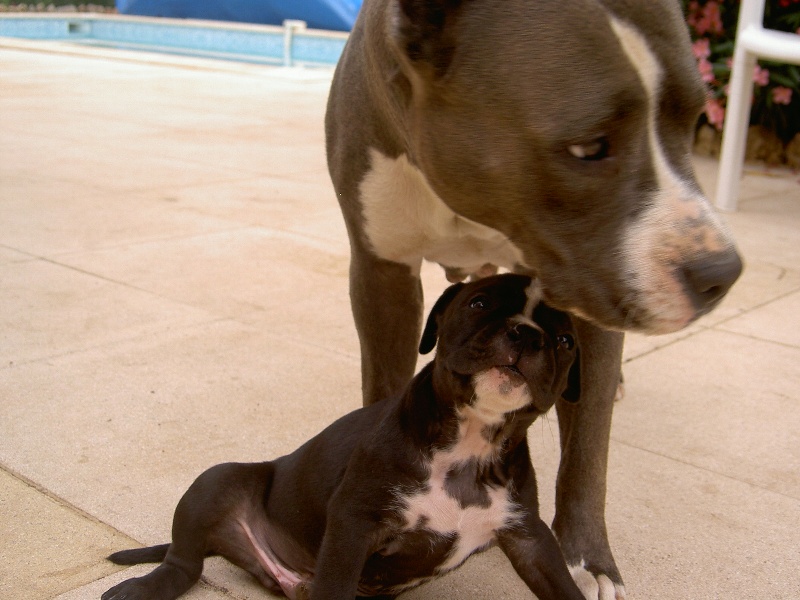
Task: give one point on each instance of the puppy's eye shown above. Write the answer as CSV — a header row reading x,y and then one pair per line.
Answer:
x,y
594,150
479,302
566,341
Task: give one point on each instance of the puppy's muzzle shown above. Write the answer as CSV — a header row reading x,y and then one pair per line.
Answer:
x,y
525,335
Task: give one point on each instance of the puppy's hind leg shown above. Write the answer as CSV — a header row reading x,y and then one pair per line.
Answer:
x,y
206,508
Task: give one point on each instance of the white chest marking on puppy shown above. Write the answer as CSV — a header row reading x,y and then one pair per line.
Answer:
x,y
436,510
406,221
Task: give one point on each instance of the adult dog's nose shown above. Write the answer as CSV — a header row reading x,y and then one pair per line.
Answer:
x,y
526,334
709,279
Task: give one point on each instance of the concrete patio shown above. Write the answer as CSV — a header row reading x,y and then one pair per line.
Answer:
x,y
173,294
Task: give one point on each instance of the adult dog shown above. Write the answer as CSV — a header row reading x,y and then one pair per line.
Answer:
x,y
543,136
402,491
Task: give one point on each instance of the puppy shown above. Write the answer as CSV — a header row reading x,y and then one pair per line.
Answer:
x,y
402,491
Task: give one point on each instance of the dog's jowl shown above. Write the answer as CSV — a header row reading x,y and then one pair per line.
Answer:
x,y
400,492
544,136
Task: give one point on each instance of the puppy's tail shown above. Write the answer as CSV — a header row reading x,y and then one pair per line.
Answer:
x,y
136,556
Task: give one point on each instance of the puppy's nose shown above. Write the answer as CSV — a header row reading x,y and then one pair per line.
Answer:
x,y
526,335
710,278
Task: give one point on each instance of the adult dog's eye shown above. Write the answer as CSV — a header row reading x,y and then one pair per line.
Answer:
x,y
479,302
566,341
595,150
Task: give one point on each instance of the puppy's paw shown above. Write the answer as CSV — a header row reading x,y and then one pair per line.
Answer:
x,y
130,589
596,586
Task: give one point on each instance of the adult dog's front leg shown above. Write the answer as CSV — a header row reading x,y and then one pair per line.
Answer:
x,y
585,428
387,307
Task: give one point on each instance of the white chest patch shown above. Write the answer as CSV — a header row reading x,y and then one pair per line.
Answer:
x,y
436,510
406,222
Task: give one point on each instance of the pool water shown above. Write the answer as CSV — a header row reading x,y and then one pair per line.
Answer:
x,y
291,44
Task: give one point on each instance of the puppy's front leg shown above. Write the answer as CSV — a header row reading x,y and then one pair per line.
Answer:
x,y
341,559
536,557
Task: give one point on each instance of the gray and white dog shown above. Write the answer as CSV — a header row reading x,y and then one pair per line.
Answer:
x,y
544,136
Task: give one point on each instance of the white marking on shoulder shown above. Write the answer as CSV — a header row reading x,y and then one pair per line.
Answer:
x,y
406,222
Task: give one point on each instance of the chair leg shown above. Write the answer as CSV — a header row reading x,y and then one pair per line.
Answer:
x,y
734,135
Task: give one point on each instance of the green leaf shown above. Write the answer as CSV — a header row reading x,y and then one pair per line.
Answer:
x,y
783,80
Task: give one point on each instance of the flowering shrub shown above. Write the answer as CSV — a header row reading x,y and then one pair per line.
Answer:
x,y
776,98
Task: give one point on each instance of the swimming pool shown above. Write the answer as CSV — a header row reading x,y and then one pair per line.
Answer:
x,y
291,44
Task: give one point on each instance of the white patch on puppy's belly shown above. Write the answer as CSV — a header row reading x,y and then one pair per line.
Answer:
x,y
476,526
406,221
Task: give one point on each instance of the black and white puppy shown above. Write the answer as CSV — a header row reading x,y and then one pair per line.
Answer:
x,y
402,491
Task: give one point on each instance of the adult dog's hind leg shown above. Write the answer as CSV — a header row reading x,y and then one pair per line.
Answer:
x,y
585,428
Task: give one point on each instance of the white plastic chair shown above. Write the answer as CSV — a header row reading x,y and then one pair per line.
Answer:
x,y
752,41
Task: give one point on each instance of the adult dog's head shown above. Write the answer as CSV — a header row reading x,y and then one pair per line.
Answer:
x,y
567,127
500,349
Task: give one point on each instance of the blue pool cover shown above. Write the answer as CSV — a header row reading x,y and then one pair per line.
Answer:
x,y
319,14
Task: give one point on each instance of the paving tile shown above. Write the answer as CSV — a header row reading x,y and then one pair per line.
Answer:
x,y
760,284
9,255
135,422
683,532
758,182
67,550
236,273
46,217
299,203
47,310
113,170
201,591
719,401
778,321
769,228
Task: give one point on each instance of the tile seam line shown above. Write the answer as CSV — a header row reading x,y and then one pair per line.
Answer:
x,y
319,243
66,504
755,338
717,327
616,440
50,357
235,176
58,499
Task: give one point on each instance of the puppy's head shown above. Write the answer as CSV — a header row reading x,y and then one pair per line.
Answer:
x,y
500,349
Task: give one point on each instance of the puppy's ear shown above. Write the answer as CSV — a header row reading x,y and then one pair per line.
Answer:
x,y
424,32
573,391
429,335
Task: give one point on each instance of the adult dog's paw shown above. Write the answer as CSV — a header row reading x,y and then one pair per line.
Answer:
x,y
596,586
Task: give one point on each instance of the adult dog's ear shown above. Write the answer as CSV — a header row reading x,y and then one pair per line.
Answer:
x,y
424,32
431,332
573,391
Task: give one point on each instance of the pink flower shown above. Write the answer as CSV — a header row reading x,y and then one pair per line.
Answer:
x,y
715,112
781,95
761,76
706,70
709,21
701,48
